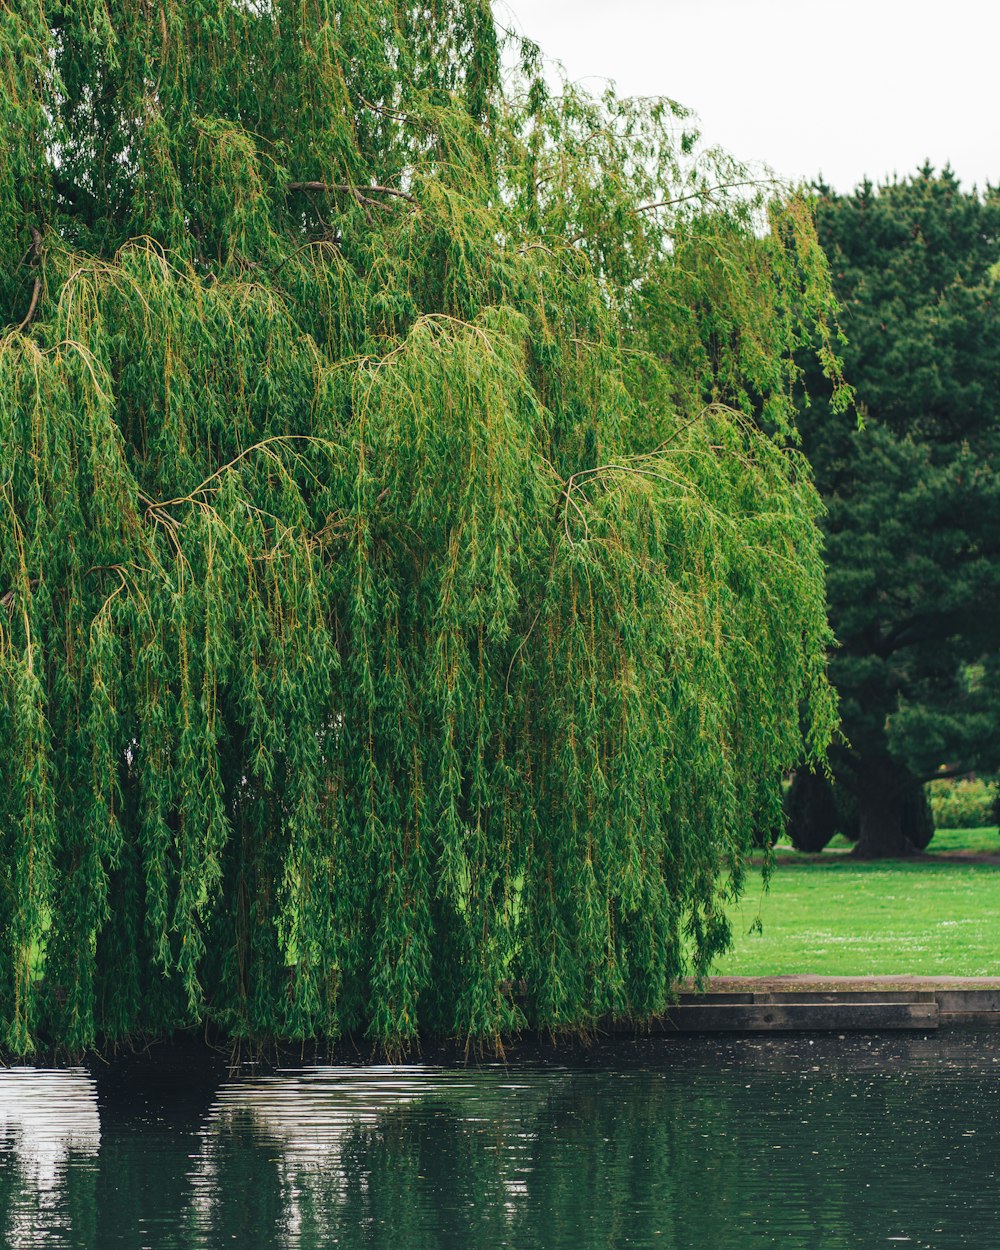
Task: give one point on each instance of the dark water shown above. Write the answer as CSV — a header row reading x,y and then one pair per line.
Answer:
x,y
859,1142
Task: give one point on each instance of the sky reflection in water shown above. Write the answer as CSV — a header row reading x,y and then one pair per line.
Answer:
x,y
818,1144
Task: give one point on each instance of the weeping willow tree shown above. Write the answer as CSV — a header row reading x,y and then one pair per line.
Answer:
x,y
410,592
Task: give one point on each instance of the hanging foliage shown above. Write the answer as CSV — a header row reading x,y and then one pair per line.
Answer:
x,y
410,592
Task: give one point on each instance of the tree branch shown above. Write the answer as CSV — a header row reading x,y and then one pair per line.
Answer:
x,y
946,774
691,195
36,253
700,195
912,630
8,596
363,192
404,118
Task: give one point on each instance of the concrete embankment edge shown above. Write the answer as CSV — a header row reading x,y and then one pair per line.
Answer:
x,y
807,1002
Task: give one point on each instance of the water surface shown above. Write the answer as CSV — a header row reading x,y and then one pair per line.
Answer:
x,y
684,1143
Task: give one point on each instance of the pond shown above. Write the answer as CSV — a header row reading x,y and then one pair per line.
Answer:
x,y
820,1142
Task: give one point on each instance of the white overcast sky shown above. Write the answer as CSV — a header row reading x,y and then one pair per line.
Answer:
x,y
848,89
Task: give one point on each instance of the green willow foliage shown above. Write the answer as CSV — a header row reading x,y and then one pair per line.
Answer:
x,y
410,593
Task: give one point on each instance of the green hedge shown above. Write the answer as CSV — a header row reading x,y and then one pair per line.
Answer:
x,y
965,804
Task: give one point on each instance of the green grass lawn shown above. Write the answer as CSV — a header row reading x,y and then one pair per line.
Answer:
x,y
945,840
831,915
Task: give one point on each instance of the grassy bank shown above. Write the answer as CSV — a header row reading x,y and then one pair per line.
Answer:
x,y
832,915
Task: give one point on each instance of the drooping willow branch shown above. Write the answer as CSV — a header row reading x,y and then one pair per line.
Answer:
x,y
379,634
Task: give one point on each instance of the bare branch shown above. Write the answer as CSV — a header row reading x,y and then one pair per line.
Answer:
x,y
35,293
36,260
404,118
346,187
8,597
703,192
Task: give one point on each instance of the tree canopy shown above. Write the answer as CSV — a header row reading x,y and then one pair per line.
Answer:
x,y
405,621
912,501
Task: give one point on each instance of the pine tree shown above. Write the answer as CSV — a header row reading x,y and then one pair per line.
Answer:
x,y
913,500
400,602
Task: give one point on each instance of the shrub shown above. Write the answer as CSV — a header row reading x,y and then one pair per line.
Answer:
x,y
965,804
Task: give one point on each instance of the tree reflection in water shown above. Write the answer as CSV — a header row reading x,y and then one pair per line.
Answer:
x,y
370,1156
733,1146
50,1136
895,1143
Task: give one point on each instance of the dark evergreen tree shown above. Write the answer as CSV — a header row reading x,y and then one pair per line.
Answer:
x,y
913,499
397,597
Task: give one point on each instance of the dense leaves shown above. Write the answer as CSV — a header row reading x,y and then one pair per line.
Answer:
x,y
404,623
913,500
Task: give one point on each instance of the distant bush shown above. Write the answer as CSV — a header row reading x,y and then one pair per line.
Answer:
x,y
965,804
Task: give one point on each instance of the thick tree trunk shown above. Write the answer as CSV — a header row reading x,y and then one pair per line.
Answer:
x,y
892,812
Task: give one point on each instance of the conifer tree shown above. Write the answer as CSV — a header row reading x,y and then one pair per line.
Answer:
x,y
399,602
913,505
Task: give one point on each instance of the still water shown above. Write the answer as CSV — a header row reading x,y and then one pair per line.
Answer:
x,y
819,1143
